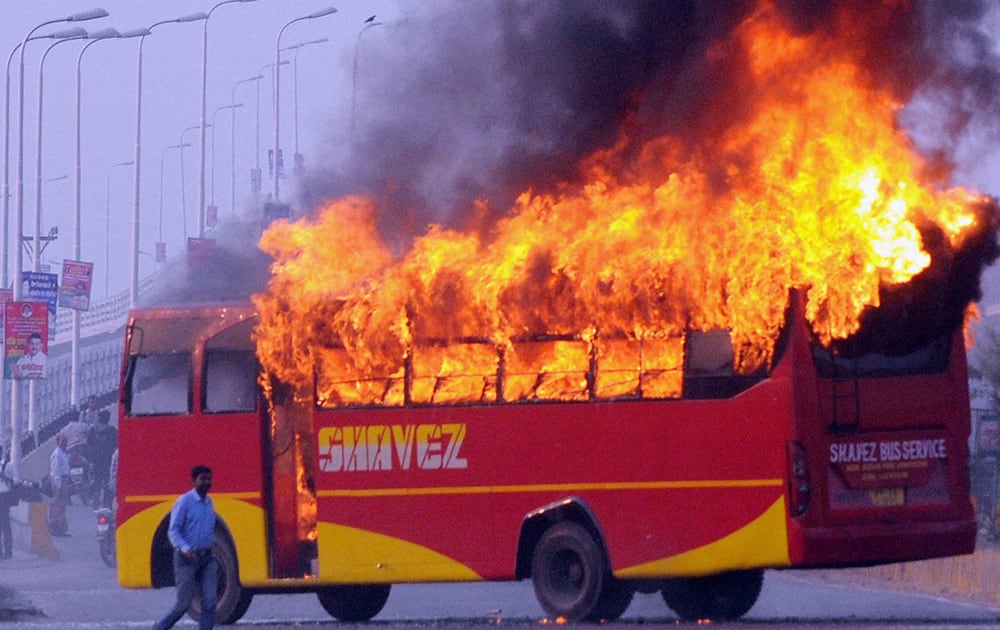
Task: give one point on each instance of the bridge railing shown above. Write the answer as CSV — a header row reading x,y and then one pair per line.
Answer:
x,y
101,339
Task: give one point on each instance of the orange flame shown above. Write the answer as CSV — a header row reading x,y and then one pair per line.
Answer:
x,y
816,188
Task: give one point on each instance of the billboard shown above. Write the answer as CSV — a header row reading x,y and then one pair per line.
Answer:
x,y
26,331
77,280
42,287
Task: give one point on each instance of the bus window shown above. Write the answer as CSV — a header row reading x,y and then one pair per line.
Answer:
x,y
341,383
708,366
547,370
648,368
160,384
230,381
457,373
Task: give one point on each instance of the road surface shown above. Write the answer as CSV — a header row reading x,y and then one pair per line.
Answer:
x,y
78,591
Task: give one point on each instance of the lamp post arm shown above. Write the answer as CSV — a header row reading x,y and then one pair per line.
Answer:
x,y
275,94
19,222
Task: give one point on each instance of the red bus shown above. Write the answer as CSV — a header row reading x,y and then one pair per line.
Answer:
x,y
595,468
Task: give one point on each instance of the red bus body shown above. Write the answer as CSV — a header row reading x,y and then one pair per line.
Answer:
x,y
802,468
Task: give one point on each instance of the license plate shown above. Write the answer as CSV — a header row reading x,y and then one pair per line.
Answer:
x,y
102,528
887,497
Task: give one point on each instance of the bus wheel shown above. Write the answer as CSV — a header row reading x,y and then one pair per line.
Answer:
x,y
357,602
233,599
615,599
569,572
718,597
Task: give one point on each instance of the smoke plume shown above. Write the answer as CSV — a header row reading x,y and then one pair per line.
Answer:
x,y
483,100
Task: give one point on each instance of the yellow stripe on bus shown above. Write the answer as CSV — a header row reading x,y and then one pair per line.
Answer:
x,y
351,555
763,542
561,487
247,526
159,498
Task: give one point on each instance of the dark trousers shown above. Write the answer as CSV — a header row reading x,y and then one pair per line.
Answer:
x,y
189,575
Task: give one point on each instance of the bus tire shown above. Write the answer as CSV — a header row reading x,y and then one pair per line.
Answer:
x,y
355,602
615,599
718,597
569,572
233,599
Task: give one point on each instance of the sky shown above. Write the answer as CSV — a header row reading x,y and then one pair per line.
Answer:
x,y
241,41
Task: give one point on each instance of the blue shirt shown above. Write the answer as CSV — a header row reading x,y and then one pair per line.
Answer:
x,y
192,522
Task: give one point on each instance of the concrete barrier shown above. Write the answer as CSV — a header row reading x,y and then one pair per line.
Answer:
x,y
973,577
41,540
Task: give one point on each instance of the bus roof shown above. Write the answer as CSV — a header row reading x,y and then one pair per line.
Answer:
x,y
177,329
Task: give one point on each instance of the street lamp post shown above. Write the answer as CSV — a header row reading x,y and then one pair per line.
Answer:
x,y
15,404
160,232
354,70
134,275
232,108
107,227
19,223
95,37
295,85
277,89
257,187
232,145
204,86
53,231
36,244
183,186
73,32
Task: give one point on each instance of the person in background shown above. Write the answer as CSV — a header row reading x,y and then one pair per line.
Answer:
x,y
8,499
191,532
90,412
102,442
59,473
76,433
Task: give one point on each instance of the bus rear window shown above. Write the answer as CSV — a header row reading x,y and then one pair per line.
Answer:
x,y
931,358
160,384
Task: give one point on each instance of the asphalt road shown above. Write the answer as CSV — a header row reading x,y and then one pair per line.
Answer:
x,y
76,590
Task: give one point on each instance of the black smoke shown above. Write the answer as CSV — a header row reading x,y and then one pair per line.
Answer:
x,y
484,100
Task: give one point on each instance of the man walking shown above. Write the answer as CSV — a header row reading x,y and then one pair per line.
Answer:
x,y
192,526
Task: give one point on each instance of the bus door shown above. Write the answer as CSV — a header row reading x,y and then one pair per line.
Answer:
x,y
290,486
279,437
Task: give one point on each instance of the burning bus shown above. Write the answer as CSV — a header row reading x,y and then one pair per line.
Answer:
x,y
689,368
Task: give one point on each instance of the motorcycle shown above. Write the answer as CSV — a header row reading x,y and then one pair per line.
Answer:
x,y
81,478
106,535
